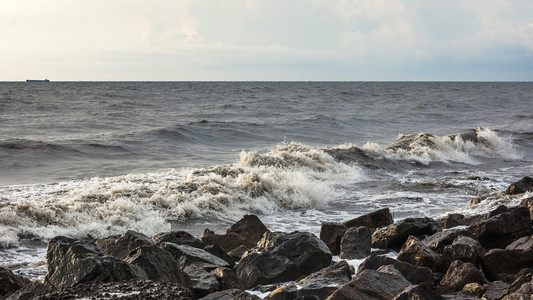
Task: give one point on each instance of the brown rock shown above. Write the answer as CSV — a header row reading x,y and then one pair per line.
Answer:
x,y
511,260
228,241
371,285
10,282
416,253
227,278
528,203
412,273
376,219
523,185
356,243
249,228
475,289
495,290
396,234
178,238
418,292
331,234
459,274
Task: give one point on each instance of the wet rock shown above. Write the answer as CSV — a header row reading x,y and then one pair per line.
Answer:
x,y
438,241
72,261
495,290
10,282
178,238
528,203
356,243
523,291
320,284
523,185
413,274
249,228
416,253
376,219
510,260
284,257
203,282
463,248
234,294
500,230
519,282
219,252
227,278
121,246
331,234
418,292
509,278
370,285
397,234
459,274
238,252
188,255
228,241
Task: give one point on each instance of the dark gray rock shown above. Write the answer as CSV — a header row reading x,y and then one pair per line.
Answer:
x,y
320,284
331,234
376,219
10,282
234,294
187,255
495,290
219,252
416,253
459,274
371,285
523,185
418,292
178,238
395,235
463,248
356,243
510,260
203,282
249,228
413,274
227,278
438,241
121,246
528,203
71,262
228,241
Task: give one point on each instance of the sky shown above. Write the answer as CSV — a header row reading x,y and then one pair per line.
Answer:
x,y
275,40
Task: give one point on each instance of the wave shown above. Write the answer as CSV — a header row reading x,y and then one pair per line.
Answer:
x,y
424,148
290,176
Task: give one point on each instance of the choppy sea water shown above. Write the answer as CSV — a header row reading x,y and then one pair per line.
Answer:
x,y
96,158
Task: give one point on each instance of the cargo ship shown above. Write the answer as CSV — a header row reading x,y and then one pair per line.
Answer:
x,y
37,80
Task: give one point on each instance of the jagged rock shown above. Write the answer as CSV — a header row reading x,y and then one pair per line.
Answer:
x,y
510,260
284,257
522,290
249,228
238,252
121,246
455,220
331,234
523,185
438,241
397,234
10,282
509,278
203,282
418,292
234,294
416,253
459,274
72,261
412,273
219,252
519,282
188,255
356,243
178,238
371,285
476,289
320,284
376,219
228,241
528,203
463,248
495,290
227,278
500,230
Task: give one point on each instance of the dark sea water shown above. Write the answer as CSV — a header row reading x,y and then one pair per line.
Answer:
x,y
99,158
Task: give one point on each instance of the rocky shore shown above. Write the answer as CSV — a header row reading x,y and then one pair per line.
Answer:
x,y
486,256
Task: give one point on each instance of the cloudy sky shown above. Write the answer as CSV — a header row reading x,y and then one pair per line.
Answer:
x,y
266,40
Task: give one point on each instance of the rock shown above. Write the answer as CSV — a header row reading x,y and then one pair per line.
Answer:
x,y
499,231
461,295
397,234
463,248
356,243
510,260
331,234
203,283
320,284
528,203
519,282
10,282
418,292
228,241
370,285
509,278
376,219
523,185
284,257
495,290
498,211
178,238
219,252
438,241
227,278
249,228
525,291
238,252
451,220
158,264
71,262
188,255
233,294
416,253
121,246
476,289
413,274
459,274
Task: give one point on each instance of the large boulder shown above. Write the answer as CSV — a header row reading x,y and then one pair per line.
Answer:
x,y
178,238
371,285
510,260
356,243
228,241
376,219
523,185
320,284
463,248
284,257
459,274
249,228
219,252
416,253
10,282
413,274
495,290
500,230
418,292
188,255
528,203
202,282
227,278
72,261
121,246
331,233
438,241
395,235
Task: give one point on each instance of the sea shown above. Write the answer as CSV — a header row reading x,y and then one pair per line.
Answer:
x,y
93,159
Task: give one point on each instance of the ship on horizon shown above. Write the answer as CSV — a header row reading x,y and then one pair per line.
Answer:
x,y
37,80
